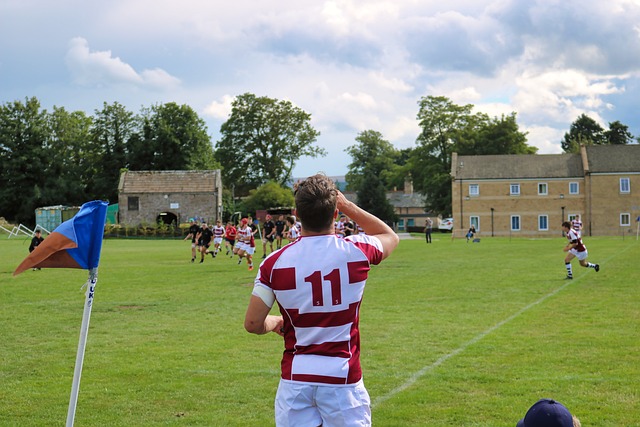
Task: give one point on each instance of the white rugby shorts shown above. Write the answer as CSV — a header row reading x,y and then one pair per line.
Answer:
x,y
304,405
580,255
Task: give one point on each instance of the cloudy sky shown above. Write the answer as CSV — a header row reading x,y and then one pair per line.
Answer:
x,y
352,64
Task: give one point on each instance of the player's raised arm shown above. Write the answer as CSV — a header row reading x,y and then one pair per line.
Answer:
x,y
371,224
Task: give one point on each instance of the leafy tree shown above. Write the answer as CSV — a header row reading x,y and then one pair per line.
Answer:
x,y
23,159
372,197
173,138
267,196
496,136
444,126
68,153
371,153
618,134
112,128
583,131
262,140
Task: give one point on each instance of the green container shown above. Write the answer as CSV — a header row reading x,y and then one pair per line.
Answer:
x,y
49,217
112,214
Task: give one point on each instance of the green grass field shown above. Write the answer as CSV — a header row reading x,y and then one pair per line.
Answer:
x,y
453,334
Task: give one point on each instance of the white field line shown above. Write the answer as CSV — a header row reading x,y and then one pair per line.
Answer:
x,y
417,375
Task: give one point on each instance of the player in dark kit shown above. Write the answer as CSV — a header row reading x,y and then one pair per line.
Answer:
x,y
279,231
204,240
194,229
35,242
269,229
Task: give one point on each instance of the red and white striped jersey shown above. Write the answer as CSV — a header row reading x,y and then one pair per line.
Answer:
x,y
318,283
574,237
244,234
576,224
294,232
218,231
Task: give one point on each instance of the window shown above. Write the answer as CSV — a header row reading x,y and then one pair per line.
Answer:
x,y
133,203
475,221
515,190
542,189
474,190
574,188
401,224
410,222
571,217
515,222
543,222
625,220
625,187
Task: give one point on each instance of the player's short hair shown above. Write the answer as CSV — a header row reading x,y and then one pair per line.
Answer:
x,y
316,202
566,224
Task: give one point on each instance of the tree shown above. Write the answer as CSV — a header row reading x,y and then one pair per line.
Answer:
x,y
618,134
501,136
371,153
173,137
269,195
444,126
372,197
68,147
583,131
23,159
262,139
112,128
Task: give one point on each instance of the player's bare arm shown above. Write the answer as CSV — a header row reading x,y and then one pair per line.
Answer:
x,y
258,320
371,224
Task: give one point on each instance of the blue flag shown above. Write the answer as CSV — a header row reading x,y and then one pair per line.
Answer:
x,y
75,243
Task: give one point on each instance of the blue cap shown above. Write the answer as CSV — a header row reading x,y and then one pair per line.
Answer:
x,y
547,413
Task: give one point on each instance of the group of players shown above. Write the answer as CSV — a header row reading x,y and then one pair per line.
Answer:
x,y
240,240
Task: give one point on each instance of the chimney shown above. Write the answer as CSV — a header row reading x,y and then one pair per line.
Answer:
x,y
408,185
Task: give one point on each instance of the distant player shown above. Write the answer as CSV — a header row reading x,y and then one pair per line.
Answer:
x,y
246,243
194,229
35,242
204,240
575,249
280,224
269,230
293,232
576,224
230,237
218,234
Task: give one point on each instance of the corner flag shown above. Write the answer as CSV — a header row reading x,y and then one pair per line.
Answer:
x,y
75,243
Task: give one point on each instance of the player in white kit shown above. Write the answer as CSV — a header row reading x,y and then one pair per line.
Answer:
x,y
318,282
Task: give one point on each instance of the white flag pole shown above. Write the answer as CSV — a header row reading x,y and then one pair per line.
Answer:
x,y
84,329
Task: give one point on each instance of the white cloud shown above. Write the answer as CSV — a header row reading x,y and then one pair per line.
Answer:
x,y
219,109
546,139
102,69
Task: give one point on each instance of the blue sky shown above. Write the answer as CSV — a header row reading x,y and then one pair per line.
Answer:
x,y
352,64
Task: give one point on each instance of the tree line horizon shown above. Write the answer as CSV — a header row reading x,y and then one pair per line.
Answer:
x,y
66,157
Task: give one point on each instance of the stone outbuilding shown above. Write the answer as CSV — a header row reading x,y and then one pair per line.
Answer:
x,y
170,197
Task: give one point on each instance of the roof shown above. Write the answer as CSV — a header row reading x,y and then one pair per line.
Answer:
x,y
203,181
613,158
400,199
518,166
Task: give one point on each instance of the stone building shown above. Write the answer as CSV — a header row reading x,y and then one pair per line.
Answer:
x,y
171,197
530,195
